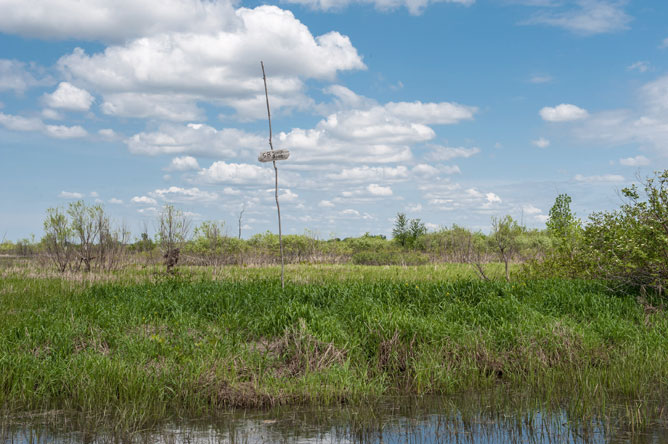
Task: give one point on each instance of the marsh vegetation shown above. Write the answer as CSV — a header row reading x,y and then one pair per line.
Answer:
x,y
543,314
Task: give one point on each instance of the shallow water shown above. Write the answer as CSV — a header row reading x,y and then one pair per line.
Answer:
x,y
478,418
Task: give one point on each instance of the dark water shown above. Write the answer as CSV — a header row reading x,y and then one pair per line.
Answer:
x,y
476,418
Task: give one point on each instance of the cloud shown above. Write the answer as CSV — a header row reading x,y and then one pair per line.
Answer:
x,y
647,125
540,79
194,138
376,190
96,20
542,218
366,173
530,209
65,132
235,173
144,200
178,194
325,204
14,76
563,113
69,97
664,43
184,163
443,113
287,196
447,196
444,153
166,74
605,178
415,7
52,114
175,107
70,195
634,161
639,66
115,201
425,170
349,213
541,142
107,133
19,123
588,17
492,198
378,133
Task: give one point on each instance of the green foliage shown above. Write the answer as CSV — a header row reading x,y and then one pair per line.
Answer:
x,y
408,232
505,235
186,347
630,245
58,238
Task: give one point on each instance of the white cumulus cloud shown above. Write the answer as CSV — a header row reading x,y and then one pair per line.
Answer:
x,y
70,195
541,142
194,138
605,178
377,133
235,173
184,163
69,97
166,74
124,19
377,190
15,76
634,161
144,200
178,194
414,7
65,132
366,173
445,153
563,113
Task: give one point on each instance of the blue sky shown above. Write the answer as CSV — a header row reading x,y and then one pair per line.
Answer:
x,y
450,111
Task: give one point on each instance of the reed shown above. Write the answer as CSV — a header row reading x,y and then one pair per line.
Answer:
x,y
145,346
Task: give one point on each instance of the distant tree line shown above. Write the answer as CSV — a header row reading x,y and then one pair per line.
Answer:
x,y
628,245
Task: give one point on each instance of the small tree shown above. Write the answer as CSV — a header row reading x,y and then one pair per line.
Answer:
x,y
57,238
416,230
173,231
86,228
505,235
406,232
400,231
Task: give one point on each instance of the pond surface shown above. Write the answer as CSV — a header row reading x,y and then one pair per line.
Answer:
x,y
479,418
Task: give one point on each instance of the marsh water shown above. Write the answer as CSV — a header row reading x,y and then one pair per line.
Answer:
x,y
472,418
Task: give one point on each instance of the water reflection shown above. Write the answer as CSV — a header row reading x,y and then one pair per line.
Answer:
x,y
480,418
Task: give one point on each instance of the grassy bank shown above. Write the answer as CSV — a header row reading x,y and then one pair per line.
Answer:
x,y
152,347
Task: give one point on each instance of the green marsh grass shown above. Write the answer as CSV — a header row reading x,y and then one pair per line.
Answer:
x,y
145,346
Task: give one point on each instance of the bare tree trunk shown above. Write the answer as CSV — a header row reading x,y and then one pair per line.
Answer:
x,y
278,208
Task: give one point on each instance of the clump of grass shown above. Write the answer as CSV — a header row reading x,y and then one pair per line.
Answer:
x,y
191,345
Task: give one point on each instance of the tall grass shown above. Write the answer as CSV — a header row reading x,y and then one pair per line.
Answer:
x,y
157,346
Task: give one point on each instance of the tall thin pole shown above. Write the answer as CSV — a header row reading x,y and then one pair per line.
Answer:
x,y
271,146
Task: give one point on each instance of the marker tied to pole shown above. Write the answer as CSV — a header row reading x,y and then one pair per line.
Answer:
x,y
272,156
